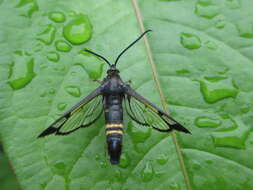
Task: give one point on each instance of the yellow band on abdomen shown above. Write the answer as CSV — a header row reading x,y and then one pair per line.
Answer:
x,y
113,125
114,132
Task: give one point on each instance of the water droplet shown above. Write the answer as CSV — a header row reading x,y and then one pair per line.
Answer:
x,y
51,91
53,56
245,28
233,4
211,45
78,30
23,81
28,7
183,71
190,41
62,46
147,172
207,11
204,121
73,90
204,2
138,134
47,36
91,64
124,160
217,88
234,138
57,16
162,159
174,186
245,108
209,161
60,165
220,22
61,106
196,165
38,47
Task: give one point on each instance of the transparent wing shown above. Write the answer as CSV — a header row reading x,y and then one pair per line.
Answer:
x,y
145,113
83,114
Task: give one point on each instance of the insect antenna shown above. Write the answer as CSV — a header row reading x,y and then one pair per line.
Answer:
x,y
131,45
89,51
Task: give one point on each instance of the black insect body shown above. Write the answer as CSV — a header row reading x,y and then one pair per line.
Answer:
x,y
109,98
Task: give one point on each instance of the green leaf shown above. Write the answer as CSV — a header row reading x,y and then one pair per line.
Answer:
x,y
202,63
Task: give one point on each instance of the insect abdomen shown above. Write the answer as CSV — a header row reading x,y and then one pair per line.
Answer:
x,y
114,141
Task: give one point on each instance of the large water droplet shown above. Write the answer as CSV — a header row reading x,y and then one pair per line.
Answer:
x,y
73,90
28,7
91,64
138,133
47,36
23,81
234,138
204,121
53,56
147,172
61,106
245,28
190,41
57,16
78,30
217,88
63,46
124,160
207,11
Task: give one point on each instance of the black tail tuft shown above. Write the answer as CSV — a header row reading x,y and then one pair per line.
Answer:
x,y
48,131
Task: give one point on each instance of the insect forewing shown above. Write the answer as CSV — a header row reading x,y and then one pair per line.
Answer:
x,y
83,114
145,113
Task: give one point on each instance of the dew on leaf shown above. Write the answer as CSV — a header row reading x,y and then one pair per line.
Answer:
x,y
51,91
124,160
204,121
53,56
209,161
233,4
174,186
63,46
91,64
245,108
61,106
208,12
245,28
147,172
47,36
220,22
28,7
162,159
138,134
190,41
217,88
73,90
204,2
60,165
210,45
78,30
196,165
183,71
57,16
21,82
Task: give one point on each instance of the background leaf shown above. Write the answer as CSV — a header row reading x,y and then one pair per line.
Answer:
x,y
201,50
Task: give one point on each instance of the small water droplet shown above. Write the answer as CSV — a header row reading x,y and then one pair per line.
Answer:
x,y
78,30
73,90
91,64
21,82
47,35
204,2
38,47
138,134
60,165
220,22
57,16
174,186
217,88
233,4
211,45
204,121
63,46
147,172
28,7
61,106
53,56
209,161
245,108
162,159
208,12
124,160
245,28
190,41
196,165
51,91
183,71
